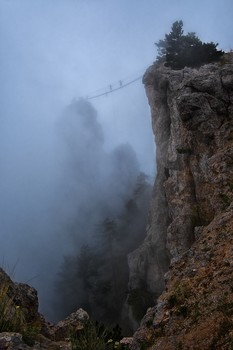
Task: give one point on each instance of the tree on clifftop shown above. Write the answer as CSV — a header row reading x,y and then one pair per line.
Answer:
x,y
178,50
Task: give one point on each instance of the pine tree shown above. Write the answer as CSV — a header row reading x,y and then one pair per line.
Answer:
x,y
178,50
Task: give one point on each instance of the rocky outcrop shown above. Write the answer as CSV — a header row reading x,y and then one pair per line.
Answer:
x,y
191,214
15,341
196,309
72,324
23,327
18,305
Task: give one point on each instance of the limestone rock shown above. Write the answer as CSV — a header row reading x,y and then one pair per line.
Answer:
x,y
19,304
73,323
21,301
196,309
192,119
11,341
14,341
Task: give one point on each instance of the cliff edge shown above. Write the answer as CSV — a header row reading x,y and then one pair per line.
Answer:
x,y
191,230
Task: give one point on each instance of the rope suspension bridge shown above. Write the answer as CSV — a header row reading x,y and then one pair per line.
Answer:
x,y
113,87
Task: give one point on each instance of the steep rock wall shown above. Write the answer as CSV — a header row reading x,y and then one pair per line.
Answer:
x,y
192,112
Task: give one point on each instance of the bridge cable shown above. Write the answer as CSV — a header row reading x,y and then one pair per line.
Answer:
x,y
111,89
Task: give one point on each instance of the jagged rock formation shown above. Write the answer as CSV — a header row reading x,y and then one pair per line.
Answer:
x,y
192,212
23,327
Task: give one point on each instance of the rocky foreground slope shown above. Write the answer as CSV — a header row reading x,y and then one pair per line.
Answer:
x,y
22,327
190,238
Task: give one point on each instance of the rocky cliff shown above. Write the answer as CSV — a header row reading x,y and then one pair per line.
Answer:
x,y
191,230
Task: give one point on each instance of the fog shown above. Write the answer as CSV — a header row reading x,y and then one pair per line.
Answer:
x,y
56,169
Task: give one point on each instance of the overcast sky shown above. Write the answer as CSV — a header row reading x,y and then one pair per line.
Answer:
x,y
54,51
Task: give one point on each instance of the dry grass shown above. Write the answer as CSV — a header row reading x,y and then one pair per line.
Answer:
x,y
11,317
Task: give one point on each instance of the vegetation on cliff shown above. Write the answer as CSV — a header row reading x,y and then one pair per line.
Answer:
x,y
178,50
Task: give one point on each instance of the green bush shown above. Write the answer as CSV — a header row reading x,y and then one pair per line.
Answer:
x,y
96,336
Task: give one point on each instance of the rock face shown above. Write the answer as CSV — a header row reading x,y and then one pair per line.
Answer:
x,y
191,227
